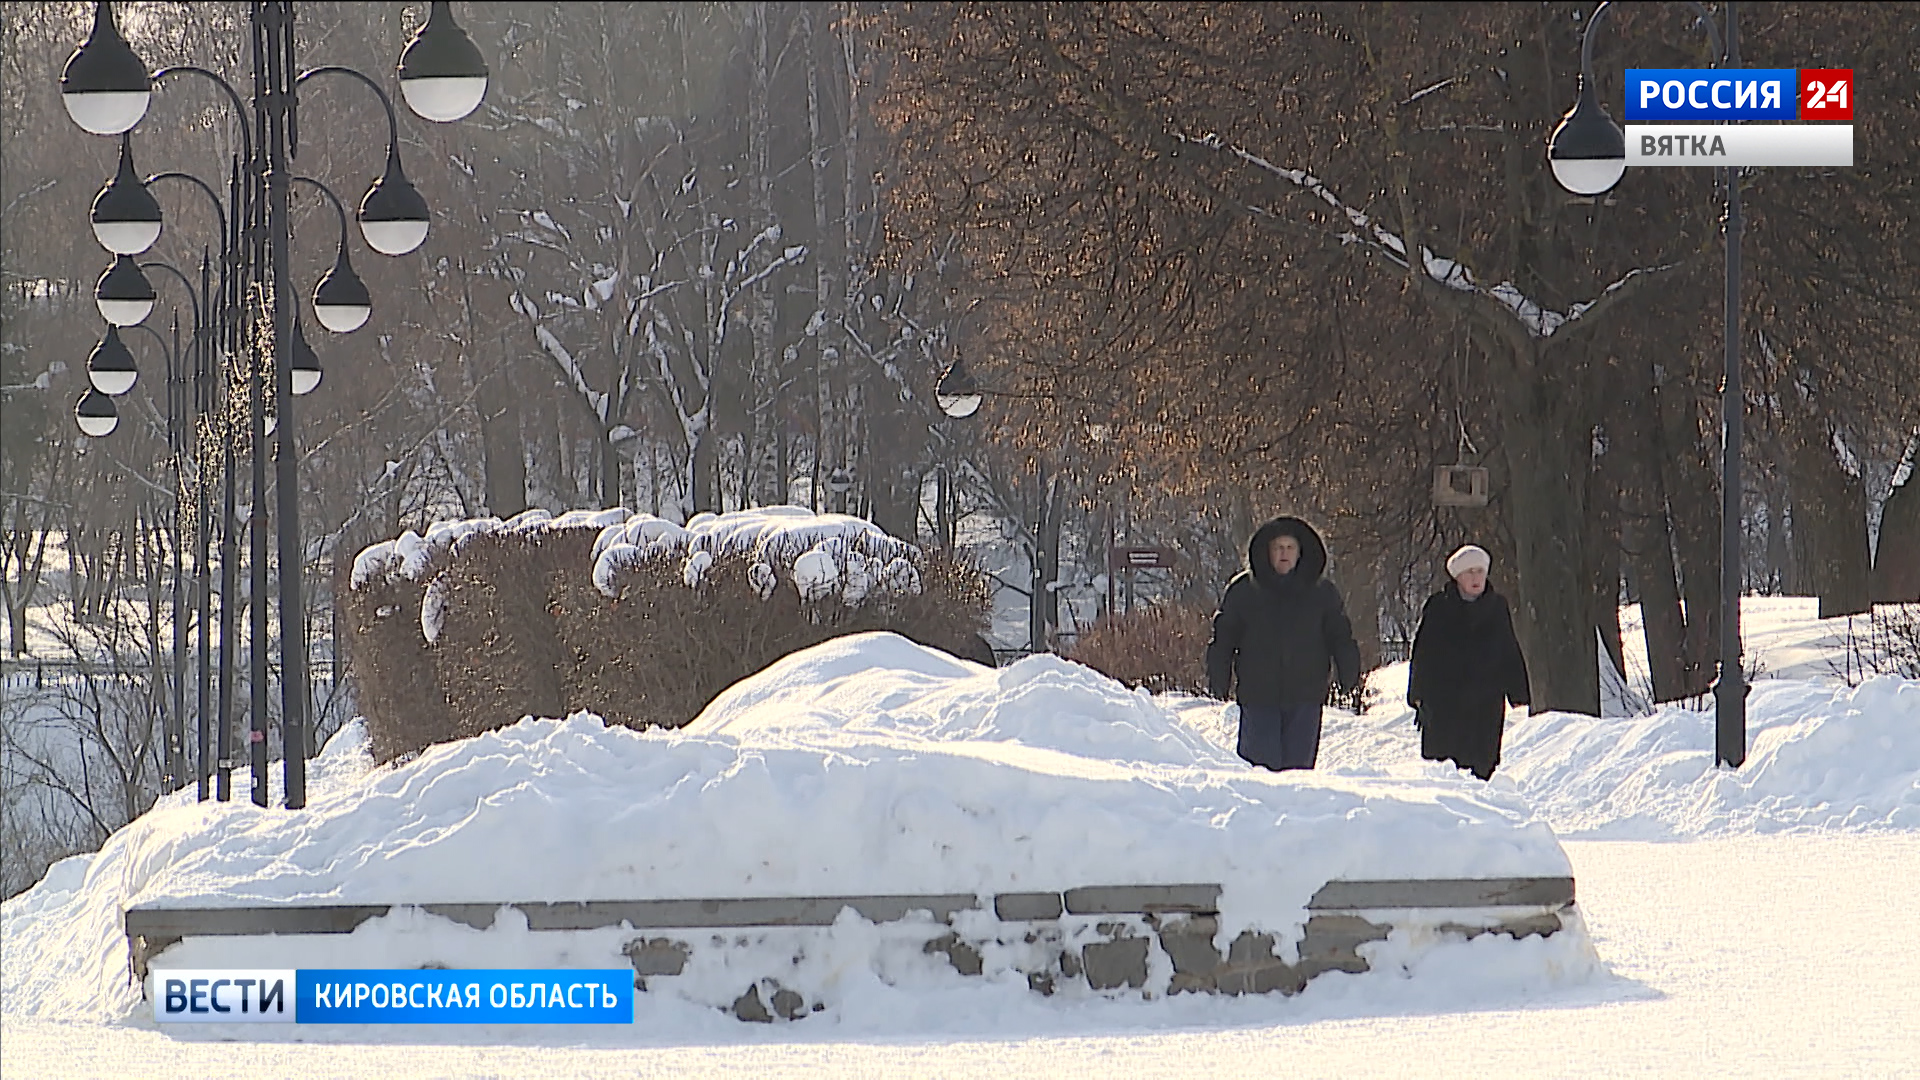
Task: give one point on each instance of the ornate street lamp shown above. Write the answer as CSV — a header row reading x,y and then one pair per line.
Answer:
x,y
442,75
341,301
393,215
1588,151
123,294
306,365
958,394
105,86
106,89
97,414
110,369
126,218
1587,154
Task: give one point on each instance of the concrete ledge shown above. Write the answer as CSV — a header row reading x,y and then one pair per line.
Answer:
x,y
1443,892
1181,920
1141,899
1027,906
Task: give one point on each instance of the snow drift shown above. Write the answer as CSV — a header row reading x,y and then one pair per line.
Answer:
x,y
1822,756
866,764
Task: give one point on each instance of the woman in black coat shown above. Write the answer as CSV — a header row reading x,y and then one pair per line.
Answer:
x,y
1466,666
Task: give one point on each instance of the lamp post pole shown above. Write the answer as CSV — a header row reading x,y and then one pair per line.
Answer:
x,y
1730,691
1587,154
220,347
273,41
172,727
180,420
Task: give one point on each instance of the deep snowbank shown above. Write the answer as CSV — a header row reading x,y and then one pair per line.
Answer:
x,y
1821,756
867,764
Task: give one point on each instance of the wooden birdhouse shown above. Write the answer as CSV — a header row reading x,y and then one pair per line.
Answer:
x,y
1459,485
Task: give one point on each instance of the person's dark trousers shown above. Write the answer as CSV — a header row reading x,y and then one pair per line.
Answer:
x,y
1280,736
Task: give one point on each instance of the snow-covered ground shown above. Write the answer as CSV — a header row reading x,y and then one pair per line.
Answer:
x,y
1771,956
1734,922
865,765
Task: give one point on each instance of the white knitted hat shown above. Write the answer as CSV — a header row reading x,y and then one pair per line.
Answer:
x,y
1471,557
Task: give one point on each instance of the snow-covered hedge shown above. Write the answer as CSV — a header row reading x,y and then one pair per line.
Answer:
x,y
478,623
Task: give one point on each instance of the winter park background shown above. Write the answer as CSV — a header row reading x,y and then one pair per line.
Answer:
x,y
672,356
940,775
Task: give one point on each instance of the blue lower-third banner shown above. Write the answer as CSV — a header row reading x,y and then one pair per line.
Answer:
x,y
395,996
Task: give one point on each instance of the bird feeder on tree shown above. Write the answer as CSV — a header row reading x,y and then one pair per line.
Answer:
x,y
1460,486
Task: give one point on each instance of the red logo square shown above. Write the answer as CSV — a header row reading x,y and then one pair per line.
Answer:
x,y
1826,93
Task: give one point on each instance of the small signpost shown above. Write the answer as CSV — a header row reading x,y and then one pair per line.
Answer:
x,y
1131,560
1139,558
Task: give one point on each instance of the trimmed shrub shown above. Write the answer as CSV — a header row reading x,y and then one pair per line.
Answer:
x,y
539,619
497,651
390,666
1162,648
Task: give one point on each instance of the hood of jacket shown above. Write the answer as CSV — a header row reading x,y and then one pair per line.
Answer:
x,y
1313,554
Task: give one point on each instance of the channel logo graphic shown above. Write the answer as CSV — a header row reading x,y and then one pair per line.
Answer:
x,y
1826,93
1657,95
1740,146
1663,95
394,996
223,996
1802,101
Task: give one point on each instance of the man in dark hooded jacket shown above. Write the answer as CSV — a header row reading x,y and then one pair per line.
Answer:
x,y
1280,632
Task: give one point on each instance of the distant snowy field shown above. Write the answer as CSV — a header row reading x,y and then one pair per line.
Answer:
x,y
1706,957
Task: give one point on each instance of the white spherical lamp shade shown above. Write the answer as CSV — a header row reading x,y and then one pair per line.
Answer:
x,y
110,369
442,75
105,85
96,414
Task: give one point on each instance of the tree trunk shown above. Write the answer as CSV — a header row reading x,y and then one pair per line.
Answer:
x,y
894,505
18,593
1829,518
827,286
701,477
1776,535
1603,543
757,433
1646,540
609,473
1549,447
1043,607
504,454
1647,546
1693,501
1896,563
1359,580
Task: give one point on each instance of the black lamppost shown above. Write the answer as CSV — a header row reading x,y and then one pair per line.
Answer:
x,y
111,370
958,393
113,367
127,220
174,727
106,89
1587,153
219,345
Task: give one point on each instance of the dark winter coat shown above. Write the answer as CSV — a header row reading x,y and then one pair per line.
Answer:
x,y
1280,636
1466,665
